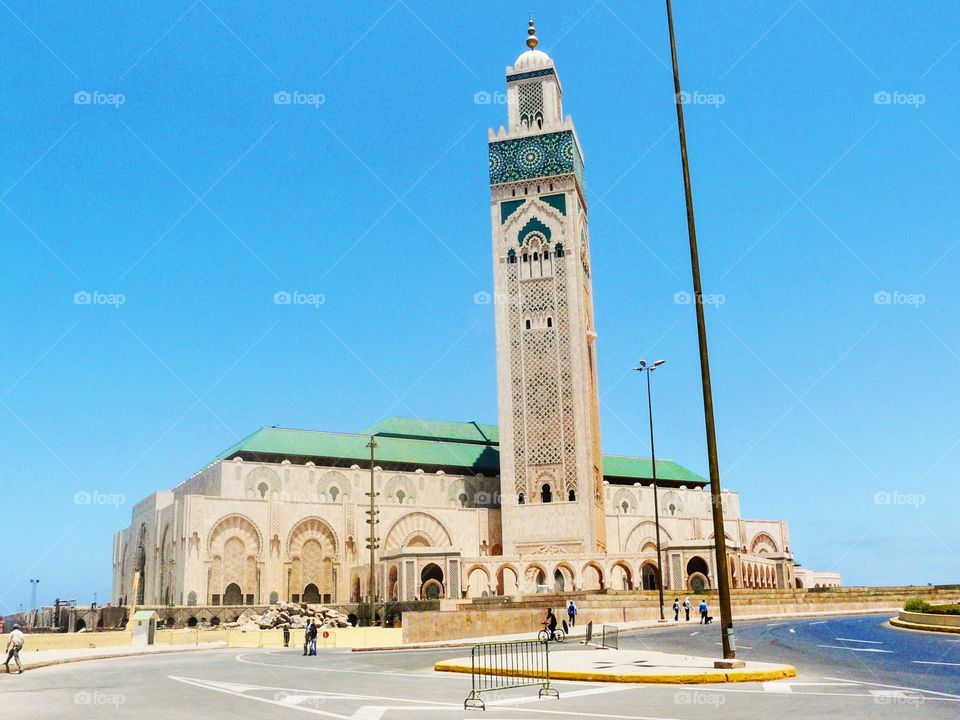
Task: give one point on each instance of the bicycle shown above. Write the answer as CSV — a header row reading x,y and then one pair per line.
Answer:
x,y
544,635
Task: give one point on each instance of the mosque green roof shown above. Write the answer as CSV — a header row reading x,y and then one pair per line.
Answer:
x,y
409,443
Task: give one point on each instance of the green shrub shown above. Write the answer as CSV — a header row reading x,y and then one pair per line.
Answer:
x,y
944,609
918,605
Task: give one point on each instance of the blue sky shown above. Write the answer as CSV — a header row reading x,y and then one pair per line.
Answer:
x,y
177,185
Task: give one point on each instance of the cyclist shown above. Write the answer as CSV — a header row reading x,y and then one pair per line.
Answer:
x,y
551,624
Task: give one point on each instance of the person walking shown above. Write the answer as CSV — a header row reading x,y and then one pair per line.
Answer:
x,y
703,611
286,635
676,609
307,632
14,645
313,637
572,613
686,607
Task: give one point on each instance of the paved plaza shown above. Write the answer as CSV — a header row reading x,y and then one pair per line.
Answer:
x,y
847,667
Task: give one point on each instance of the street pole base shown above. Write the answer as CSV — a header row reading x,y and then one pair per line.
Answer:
x,y
729,664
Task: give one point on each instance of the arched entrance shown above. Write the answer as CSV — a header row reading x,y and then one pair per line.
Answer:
x,y
232,595
431,578
649,576
620,577
592,577
506,581
311,594
393,587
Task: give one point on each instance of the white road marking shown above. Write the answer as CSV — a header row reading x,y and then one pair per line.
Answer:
x,y
739,647
694,633
775,624
901,687
576,693
243,690
855,649
933,662
793,631
776,687
818,622
871,642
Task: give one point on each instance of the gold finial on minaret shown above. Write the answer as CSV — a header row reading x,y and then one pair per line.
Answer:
x,y
532,32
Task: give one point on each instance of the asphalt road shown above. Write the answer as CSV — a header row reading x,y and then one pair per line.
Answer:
x,y
235,683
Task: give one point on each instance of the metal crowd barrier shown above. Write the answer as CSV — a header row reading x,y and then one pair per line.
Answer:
x,y
610,637
589,637
506,665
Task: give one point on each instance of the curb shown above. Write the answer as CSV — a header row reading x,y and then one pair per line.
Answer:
x,y
780,672
904,625
83,658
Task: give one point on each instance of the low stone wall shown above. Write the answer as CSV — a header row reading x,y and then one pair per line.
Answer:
x,y
931,619
525,615
71,641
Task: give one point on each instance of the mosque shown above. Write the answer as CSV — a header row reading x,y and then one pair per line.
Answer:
x,y
465,509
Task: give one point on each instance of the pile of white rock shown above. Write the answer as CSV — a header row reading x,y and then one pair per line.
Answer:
x,y
291,615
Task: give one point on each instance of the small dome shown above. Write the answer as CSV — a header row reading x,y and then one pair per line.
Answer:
x,y
532,59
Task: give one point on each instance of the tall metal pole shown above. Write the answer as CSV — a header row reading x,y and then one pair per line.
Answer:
x,y
656,503
372,542
723,581
33,594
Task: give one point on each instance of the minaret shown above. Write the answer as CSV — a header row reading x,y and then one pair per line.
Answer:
x,y
550,460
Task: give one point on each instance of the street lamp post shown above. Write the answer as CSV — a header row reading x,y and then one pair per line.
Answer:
x,y
33,593
372,543
647,369
720,544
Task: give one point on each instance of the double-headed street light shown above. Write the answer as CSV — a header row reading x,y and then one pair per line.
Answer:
x,y
647,369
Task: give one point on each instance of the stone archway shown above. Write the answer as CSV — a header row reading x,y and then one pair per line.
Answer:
x,y
232,595
507,580
621,578
648,576
431,578
311,594
592,577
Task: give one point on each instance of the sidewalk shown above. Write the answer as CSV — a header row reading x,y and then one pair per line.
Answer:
x,y
635,666
46,658
578,633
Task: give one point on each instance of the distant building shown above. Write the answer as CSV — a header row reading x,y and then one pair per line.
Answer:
x,y
465,510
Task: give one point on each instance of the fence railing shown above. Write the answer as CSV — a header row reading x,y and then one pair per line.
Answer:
x,y
506,665
610,637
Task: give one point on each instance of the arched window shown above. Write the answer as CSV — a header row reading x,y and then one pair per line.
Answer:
x,y
546,494
400,496
334,491
572,496
463,499
549,322
558,249
625,506
527,324
511,256
262,488
520,499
